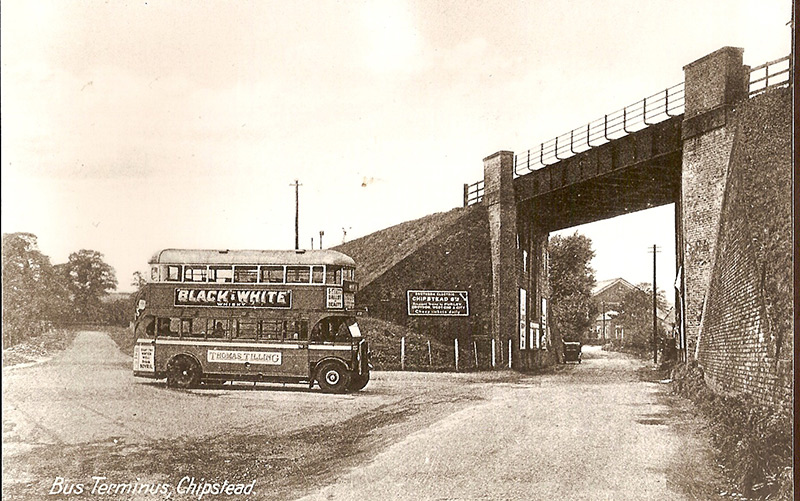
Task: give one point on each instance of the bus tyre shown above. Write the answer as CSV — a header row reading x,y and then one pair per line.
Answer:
x,y
358,381
333,378
183,372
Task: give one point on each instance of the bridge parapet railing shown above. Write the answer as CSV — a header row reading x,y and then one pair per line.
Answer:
x,y
770,75
648,111
473,193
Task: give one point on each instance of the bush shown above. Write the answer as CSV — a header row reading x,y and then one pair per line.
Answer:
x,y
753,440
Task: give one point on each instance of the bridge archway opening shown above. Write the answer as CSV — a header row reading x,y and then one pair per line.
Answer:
x,y
623,264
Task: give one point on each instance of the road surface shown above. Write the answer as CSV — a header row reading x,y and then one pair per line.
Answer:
x,y
598,430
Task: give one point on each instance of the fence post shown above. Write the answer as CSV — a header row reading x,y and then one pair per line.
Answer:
x,y
430,358
456,348
475,350
493,353
403,353
509,353
466,194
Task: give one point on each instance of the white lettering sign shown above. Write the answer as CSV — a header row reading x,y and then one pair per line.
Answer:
x,y
240,357
335,298
143,358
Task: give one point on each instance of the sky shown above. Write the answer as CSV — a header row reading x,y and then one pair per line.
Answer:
x,y
129,127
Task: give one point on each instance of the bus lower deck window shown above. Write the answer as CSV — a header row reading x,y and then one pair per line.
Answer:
x,y
169,327
217,328
271,330
246,329
193,327
296,330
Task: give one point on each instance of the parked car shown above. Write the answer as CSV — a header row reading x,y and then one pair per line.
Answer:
x,y
572,351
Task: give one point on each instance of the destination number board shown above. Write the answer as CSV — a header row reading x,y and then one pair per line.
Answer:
x,y
438,303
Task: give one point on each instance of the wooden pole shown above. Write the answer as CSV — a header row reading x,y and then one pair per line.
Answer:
x,y
456,349
403,353
655,317
430,358
475,351
509,353
297,186
494,357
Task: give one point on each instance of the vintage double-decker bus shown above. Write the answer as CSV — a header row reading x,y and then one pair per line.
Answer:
x,y
250,315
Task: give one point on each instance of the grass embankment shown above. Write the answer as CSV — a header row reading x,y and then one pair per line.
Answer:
x,y
753,441
39,347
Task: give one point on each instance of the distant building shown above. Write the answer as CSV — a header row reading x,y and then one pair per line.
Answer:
x,y
607,296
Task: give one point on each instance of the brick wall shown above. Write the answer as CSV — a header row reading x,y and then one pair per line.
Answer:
x,y
705,168
746,333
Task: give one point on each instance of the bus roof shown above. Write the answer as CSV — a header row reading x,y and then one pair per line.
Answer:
x,y
211,256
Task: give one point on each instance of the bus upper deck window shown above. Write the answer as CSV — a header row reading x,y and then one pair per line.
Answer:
x,y
297,274
154,273
245,274
174,273
195,274
334,275
317,274
220,274
272,274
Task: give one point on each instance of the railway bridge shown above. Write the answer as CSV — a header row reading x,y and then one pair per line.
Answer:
x,y
685,146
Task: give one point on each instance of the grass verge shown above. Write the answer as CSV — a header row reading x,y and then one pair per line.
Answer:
x,y
753,440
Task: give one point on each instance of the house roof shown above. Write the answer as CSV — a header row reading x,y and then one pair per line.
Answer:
x,y
602,285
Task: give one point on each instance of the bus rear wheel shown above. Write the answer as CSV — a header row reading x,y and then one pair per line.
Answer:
x,y
183,372
358,382
333,377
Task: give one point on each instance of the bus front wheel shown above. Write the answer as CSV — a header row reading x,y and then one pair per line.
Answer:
x,y
358,381
333,377
183,372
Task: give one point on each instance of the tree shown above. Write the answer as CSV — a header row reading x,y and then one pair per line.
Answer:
x,y
88,279
636,315
33,294
138,280
571,283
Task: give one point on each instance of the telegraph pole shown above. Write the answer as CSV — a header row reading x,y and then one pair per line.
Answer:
x,y
603,303
297,186
655,316
320,238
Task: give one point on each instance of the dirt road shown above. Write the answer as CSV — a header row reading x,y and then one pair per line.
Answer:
x,y
595,431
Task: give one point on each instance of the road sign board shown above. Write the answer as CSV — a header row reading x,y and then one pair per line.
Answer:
x,y
438,303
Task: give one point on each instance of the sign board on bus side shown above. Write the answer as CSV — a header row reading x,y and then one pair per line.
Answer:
x,y
226,298
438,303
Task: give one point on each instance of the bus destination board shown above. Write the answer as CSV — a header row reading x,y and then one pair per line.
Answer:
x,y
438,303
